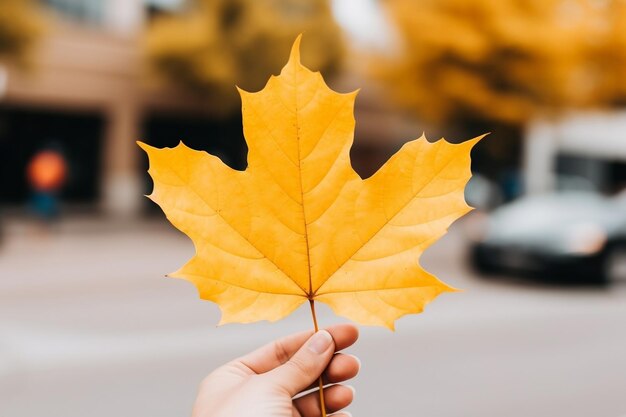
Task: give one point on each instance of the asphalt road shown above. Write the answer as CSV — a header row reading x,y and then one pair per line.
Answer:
x,y
90,327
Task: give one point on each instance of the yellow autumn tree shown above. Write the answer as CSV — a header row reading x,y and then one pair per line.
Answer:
x,y
506,61
217,44
20,26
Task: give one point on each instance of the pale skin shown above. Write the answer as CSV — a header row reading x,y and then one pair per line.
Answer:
x,y
264,383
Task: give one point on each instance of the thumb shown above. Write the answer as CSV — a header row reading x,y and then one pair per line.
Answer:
x,y
306,365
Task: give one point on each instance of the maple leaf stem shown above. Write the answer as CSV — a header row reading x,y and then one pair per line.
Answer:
x,y
320,381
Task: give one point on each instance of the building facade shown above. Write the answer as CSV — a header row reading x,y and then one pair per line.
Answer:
x,y
87,95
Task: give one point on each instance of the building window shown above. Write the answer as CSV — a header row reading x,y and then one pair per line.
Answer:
x,y
88,11
166,5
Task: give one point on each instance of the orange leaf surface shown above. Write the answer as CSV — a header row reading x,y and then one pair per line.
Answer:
x,y
299,223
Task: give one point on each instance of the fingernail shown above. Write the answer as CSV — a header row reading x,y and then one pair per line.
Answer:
x,y
347,413
320,342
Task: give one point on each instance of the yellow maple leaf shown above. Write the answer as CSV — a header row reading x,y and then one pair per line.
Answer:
x,y
299,224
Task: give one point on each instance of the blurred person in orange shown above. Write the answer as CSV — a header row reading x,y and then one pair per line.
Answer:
x,y
46,173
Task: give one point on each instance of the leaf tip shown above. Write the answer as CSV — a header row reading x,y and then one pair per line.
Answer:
x,y
227,317
477,139
354,93
294,56
243,94
147,148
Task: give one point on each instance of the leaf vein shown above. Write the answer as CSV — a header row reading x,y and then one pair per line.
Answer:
x,y
191,274
239,232
434,174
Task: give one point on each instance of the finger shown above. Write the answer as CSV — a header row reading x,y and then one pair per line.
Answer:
x,y
277,353
305,366
336,398
344,335
341,368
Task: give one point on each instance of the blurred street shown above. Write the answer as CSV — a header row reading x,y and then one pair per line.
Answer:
x,y
90,327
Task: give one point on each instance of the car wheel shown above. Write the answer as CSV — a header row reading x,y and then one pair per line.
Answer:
x,y
615,265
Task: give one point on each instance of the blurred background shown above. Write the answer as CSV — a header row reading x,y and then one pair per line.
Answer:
x,y
88,323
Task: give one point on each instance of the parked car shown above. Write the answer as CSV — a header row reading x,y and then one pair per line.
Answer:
x,y
573,236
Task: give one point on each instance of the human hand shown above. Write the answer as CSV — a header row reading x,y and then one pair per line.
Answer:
x,y
264,383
